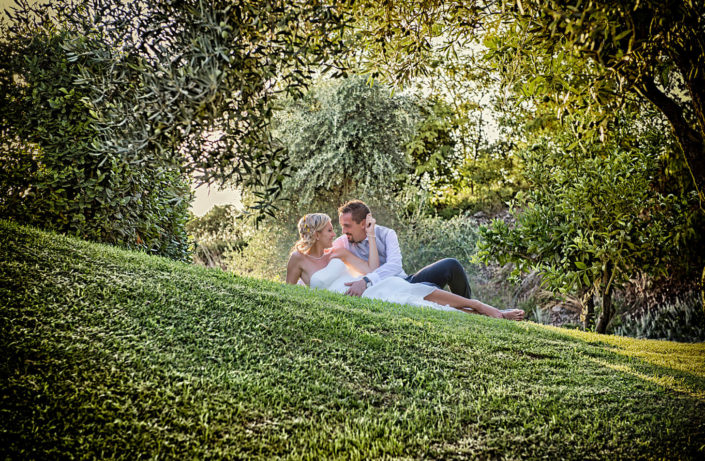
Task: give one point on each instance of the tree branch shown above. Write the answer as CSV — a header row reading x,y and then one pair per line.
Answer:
x,y
690,139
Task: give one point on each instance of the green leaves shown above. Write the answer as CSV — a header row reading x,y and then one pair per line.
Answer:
x,y
591,219
345,137
73,184
611,53
144,92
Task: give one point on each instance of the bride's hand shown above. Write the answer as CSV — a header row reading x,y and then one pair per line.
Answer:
x,y
370,225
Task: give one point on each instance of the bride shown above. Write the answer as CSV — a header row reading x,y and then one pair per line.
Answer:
x,y
314,261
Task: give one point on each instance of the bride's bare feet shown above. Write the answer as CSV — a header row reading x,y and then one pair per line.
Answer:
x,y
512,314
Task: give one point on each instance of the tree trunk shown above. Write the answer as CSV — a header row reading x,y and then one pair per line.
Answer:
x,y
690,139
675,29
702,289
588,314
607,311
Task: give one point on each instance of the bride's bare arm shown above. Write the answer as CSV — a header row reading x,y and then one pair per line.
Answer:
x,y
358,265
293,269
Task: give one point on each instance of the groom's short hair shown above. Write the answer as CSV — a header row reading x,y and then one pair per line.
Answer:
x,y
356,208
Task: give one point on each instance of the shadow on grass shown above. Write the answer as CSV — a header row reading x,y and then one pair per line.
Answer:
x,y
679,367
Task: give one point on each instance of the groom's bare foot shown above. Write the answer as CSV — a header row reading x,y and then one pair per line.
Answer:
x,y
513,314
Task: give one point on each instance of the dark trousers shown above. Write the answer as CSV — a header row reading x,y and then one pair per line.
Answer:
x,y
447,271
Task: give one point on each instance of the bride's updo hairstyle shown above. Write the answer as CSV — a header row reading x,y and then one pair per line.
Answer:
x,y
308,226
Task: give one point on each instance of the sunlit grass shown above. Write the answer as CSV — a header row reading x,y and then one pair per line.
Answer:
x,y
116,354
688,357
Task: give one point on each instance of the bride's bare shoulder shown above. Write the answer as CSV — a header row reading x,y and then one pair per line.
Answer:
x,y
294,268
295,257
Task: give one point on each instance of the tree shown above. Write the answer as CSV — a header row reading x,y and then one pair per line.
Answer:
x,y
50,177
653,48
189,80
345,137
147,93
589,60
591,218
400,41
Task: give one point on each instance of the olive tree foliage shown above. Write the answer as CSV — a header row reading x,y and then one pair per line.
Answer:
x,y
129,96
345,137
226,61
651,49
207,74
399,41
593,218
51,174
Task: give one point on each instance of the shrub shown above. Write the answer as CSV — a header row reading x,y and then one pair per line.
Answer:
x,y
679,320
267,250
55,178
426,239
216,233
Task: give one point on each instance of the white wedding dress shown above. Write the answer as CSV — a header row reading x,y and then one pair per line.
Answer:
x,y
393,289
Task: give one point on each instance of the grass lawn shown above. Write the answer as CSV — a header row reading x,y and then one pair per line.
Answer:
x,y
115,354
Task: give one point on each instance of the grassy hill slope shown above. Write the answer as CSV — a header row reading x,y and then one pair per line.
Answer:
x,y
110,353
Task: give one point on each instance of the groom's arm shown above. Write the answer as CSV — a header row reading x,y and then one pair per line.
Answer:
x,y
393,264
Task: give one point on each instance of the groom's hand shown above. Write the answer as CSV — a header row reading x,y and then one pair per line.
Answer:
x,y
356,288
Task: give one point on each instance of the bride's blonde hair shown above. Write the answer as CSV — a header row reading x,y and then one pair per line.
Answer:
x,y
308,226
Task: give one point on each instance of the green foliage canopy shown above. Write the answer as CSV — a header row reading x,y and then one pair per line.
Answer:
x,y
52,176
346,137
125,98
592,219
651,49
195,82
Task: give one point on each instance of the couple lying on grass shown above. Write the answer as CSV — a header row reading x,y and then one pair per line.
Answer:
x,y
366,261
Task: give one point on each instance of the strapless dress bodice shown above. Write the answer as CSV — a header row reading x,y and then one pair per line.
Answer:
x,y
333,277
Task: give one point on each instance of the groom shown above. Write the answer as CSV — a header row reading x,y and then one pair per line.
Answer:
x,y
352,221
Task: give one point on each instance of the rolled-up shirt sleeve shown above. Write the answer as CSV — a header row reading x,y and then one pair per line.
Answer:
x,y
393,264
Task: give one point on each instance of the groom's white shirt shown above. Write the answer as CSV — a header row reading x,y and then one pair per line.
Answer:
x,y
387,247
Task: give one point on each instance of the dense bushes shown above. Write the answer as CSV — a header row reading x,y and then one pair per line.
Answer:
x,y
217,232
425,239
53,175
